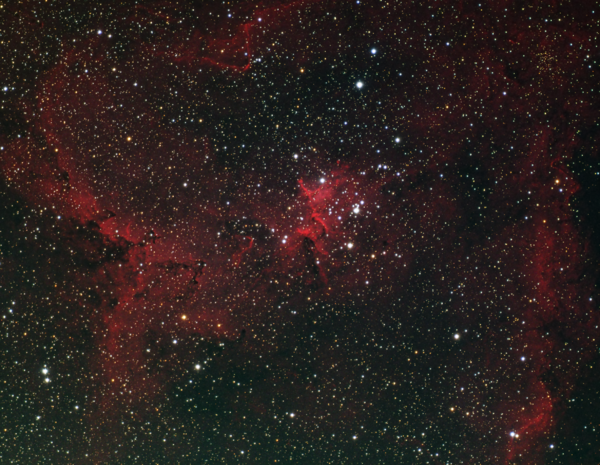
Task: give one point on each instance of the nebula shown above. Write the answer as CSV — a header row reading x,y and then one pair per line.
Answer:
x,y
317,232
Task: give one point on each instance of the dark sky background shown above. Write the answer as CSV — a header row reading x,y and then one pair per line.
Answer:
x,y
308,232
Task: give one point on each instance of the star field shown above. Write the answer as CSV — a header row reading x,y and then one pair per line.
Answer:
x,y
309,232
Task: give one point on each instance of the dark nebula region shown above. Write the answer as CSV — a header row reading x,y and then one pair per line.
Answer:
x,y
311,232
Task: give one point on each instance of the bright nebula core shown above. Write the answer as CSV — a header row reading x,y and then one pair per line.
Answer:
x,y
311,232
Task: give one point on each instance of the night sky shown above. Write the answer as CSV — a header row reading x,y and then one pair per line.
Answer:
x,y
307,232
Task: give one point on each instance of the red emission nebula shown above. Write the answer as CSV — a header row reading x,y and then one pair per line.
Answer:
x,y
313,232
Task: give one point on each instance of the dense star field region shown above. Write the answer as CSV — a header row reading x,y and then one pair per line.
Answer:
x,y
308,232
